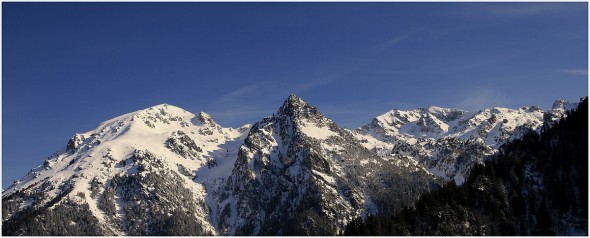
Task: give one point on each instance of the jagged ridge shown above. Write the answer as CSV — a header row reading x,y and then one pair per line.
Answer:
x,y
295,172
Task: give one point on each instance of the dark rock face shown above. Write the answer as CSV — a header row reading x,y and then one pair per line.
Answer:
x,y
74,142
167,209
183,145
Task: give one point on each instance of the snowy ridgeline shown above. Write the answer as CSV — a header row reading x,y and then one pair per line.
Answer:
x,y
163,170
448,142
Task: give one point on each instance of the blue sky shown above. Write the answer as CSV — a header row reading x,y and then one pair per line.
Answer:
x,y
69,66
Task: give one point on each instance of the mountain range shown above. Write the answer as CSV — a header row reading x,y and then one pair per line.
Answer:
x,y
534,185
166,171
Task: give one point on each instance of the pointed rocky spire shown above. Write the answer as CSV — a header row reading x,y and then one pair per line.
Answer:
x,y
558,104
297,108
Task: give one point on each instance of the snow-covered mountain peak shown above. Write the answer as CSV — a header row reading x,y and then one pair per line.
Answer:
x,y
163,113
559,108
445,114
563,105
161,106
162,118
164,109
160,147
294,99
559,103
295,108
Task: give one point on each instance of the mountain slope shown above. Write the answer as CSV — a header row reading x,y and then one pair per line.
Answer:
x,y
537,185
131,170
298,173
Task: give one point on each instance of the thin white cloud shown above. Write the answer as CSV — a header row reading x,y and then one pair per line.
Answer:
x,y
391,42
313,84
483,98
328,76
574,71
241,92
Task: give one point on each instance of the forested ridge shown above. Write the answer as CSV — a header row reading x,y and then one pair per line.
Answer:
x,y
536,185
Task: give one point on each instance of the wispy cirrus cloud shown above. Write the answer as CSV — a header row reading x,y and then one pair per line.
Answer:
x,y
483,98
316,83
325,76
574,71
391,42
242,92
248,103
